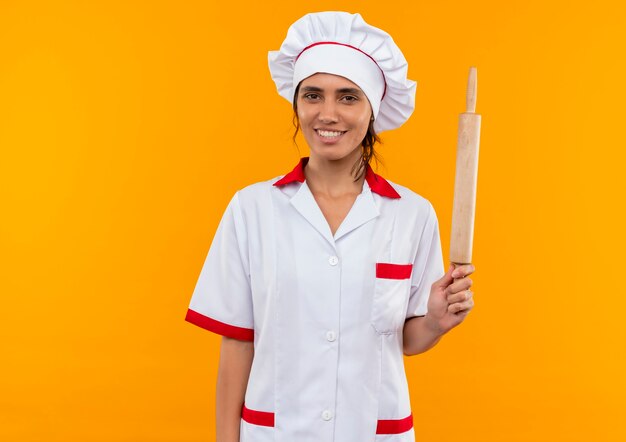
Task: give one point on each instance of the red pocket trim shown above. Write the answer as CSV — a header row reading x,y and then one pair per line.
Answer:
x,y
395,426
393,271
383,426
263,418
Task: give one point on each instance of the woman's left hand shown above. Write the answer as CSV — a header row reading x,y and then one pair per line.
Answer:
x,y
450,301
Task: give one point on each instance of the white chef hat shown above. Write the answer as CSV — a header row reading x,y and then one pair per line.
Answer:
x,y
343,44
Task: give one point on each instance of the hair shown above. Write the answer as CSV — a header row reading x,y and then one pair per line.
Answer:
x,y
368,151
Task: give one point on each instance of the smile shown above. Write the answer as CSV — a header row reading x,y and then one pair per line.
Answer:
x,y
329,134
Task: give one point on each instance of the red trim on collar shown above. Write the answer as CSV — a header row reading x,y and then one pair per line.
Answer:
x,y
297,174
376,182
380,185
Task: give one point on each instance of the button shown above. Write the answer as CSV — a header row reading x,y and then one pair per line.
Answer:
x,y
331,335
333,260
327,415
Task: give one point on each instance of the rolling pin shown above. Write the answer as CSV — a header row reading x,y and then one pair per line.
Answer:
x,y
464,206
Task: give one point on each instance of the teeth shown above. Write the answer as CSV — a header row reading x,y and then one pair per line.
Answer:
x,y
329,134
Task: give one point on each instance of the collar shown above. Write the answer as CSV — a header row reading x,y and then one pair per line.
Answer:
x,y
376,182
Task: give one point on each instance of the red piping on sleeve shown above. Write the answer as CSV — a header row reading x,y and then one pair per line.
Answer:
x,y
231,331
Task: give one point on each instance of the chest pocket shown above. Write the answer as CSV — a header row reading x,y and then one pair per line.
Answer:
x,y
391,292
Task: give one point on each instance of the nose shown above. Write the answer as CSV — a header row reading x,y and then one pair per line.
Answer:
x,y
328,112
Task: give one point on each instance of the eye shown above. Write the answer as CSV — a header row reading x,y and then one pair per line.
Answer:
x,y
350,98
311,96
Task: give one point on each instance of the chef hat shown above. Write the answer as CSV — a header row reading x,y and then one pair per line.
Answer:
x,y
343,44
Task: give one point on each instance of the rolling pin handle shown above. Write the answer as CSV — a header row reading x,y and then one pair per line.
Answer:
x,y
471,91
456,264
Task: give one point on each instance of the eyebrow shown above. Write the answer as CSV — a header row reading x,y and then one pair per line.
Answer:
x,y
343,90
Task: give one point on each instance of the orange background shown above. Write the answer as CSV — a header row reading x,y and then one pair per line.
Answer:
x,y
125,128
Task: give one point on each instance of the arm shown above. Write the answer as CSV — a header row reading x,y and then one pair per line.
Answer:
x,y
449,303
419,336
232,380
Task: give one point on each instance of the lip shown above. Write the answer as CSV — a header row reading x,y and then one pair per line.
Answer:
x,y
329,140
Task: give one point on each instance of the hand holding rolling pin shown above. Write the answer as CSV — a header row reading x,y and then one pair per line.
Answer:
x,y
451,298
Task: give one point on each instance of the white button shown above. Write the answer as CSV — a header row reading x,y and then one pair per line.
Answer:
x,y
331,336
333,260
327,415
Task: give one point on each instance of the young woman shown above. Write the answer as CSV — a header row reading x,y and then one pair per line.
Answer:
x,y
320,280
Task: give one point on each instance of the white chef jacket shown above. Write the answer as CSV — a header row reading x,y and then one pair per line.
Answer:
x,y
325,312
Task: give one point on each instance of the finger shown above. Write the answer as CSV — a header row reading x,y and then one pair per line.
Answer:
x,y
459,285
463,270
461,315
463,296
467,307
446,279
460,307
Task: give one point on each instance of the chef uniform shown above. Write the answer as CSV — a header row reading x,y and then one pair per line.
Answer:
x,y
325,312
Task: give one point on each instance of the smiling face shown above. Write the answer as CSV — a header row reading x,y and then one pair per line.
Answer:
x,y
334,115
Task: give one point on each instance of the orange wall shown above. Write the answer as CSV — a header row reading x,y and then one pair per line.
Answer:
x,y
125,128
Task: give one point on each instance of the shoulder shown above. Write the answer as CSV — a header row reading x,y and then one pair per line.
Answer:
x,y
412,201
255,193
415,213
258,188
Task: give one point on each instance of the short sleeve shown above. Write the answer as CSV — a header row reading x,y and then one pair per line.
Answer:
x,y
222,299
427,266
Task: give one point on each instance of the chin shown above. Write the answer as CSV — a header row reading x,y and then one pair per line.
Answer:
x,y
333,153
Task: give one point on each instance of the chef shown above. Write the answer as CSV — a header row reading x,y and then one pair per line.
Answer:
x,y
320,279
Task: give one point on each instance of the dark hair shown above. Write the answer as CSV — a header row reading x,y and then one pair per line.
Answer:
x,y
370,139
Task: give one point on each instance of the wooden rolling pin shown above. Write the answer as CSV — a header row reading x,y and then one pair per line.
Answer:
x,y
464,206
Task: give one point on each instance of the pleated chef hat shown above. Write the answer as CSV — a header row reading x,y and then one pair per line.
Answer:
x,y
343,44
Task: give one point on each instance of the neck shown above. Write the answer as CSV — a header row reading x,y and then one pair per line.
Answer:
x,y
334,178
